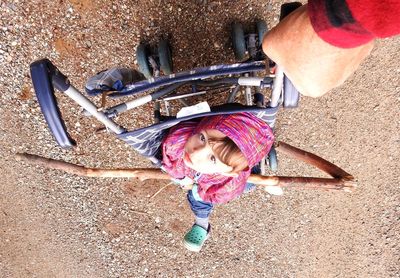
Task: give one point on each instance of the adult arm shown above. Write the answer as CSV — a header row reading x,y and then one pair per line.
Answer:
x,y
318,50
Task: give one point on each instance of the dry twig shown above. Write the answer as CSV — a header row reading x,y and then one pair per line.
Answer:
x,y
161,189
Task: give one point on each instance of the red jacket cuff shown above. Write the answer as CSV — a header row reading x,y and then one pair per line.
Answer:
x,y
335,24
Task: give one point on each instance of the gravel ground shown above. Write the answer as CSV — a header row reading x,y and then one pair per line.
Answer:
x,y
54,224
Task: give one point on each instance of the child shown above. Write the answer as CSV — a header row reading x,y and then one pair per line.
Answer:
x,y
216,155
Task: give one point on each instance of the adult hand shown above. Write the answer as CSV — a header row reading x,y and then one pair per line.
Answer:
x,y
313,65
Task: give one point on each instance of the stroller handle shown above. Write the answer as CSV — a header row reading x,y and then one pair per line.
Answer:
x,y
45,76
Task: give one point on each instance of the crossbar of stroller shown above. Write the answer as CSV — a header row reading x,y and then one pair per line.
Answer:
x,y
243,81
196,74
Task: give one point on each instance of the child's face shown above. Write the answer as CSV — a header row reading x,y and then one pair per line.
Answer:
x,y
200,156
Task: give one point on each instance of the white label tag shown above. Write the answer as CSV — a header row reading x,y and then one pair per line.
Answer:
x,y
201,107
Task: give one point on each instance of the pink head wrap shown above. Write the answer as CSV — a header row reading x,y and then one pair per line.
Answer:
x,y
252,135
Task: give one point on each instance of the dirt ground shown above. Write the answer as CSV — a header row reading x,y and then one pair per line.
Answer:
x,y
53,224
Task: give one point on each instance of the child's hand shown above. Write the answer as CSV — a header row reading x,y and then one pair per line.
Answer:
x,y
185,183
187,187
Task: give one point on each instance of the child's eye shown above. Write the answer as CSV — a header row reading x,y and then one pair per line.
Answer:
x,y
202,137
213,159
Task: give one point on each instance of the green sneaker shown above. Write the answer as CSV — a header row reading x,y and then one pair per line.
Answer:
x,y
195,238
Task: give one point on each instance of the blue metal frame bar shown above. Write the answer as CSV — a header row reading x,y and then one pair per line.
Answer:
x,y
198,73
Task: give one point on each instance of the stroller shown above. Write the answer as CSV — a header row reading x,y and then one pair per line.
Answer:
x,y
120,82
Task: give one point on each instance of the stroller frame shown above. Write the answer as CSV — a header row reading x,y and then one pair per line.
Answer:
x,y
46,77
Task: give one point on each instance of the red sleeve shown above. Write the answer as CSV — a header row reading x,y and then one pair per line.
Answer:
x,y
350,23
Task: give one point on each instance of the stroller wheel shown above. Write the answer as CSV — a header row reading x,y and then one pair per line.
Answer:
x,y
261,30
238,41
142,57
287,8
164,54
290,94
273,160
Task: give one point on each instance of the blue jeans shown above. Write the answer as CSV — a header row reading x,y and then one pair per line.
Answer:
x,y
200,208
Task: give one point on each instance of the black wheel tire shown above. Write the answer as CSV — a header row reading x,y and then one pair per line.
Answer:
x,y
291,95
287,8
142,58
165,56
238,41
273,160
262,29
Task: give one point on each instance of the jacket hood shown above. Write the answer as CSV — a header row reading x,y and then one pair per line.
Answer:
x,y
252,135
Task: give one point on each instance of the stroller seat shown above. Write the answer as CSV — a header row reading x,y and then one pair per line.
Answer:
x,y
147,140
